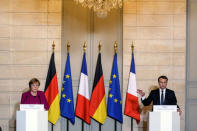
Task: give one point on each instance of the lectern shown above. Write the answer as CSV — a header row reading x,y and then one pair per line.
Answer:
x,y
164,118
31,117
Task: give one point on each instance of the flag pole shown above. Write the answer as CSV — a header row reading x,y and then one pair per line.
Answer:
x,y
115,50
131,124
68,49
115,125
99,47
132,51
84,50
68,46
67,125
99,126
82,126
53,48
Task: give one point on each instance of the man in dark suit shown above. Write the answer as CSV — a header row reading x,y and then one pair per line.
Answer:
x,y
161,96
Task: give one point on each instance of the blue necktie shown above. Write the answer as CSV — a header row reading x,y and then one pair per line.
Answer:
x,y
162,100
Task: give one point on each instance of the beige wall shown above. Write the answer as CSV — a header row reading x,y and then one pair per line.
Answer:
x,y
191,83
157,28
27,29
80,24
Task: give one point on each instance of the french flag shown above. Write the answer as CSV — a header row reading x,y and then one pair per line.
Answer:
x,y
83,99
131,103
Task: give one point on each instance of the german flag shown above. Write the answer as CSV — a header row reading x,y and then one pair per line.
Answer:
x,y
98,110
51,92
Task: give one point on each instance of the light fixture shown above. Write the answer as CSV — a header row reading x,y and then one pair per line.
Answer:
x,y
101,7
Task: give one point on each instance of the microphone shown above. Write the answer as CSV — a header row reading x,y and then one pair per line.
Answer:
x,y
39,98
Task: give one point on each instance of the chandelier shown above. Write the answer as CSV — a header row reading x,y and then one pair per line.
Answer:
x,y
101,7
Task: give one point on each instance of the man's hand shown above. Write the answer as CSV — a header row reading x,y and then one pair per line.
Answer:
x,y
140,92
179,111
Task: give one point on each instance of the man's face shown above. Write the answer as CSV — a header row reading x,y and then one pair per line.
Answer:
x,y
162,83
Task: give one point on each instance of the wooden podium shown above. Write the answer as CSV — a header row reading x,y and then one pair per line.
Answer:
x,y
31,118
164,119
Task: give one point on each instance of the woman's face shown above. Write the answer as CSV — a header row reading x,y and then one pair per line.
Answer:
x,y
34,87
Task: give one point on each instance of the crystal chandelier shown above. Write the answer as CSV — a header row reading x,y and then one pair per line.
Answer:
x,y
101,7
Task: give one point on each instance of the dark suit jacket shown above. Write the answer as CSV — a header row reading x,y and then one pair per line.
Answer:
x,y
170,98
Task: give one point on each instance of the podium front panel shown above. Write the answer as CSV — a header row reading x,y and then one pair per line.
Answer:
x,y
32,120
164,121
